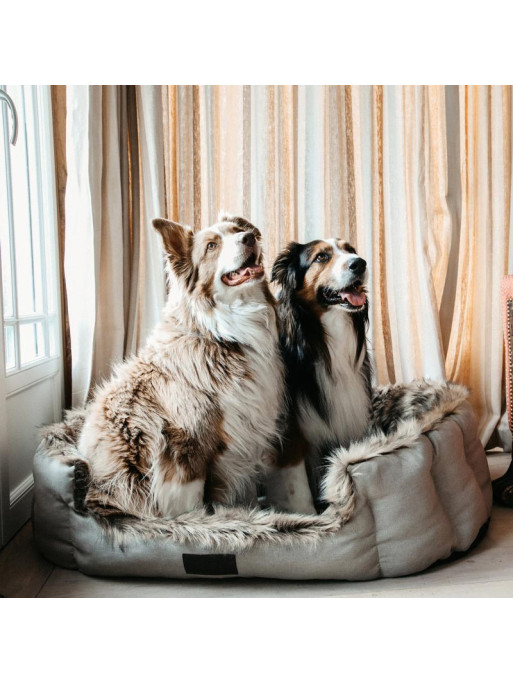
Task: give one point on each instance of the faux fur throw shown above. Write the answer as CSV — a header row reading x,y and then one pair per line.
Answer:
x,y
400,413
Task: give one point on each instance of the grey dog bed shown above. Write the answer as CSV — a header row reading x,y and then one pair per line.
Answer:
x,y
415,491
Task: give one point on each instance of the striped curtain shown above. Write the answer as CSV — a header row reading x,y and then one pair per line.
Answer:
x,y
417,178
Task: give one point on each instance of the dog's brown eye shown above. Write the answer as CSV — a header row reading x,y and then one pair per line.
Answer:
x,y
211,246
322,258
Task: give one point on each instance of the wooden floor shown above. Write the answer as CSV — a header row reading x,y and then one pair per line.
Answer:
x,y
486,572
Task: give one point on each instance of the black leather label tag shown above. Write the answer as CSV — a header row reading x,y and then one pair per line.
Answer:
x,y
210,564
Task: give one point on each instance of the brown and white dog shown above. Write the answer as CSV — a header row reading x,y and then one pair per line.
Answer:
x,y
323,311
196,415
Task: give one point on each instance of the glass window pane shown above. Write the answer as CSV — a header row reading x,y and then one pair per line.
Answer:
x,y
27,231
10,354
21,210
31,342
5,239
33,153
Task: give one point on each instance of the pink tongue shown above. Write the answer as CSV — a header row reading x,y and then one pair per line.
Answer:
x,y
248,271
354,298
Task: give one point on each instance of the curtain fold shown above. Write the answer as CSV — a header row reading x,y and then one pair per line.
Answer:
x,y
418,178
475,350
113,265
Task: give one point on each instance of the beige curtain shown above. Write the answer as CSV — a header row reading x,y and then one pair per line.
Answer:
x,y
112,264
484,248
418,178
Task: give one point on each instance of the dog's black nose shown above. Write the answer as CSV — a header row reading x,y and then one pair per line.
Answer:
x,y
248,239
357,266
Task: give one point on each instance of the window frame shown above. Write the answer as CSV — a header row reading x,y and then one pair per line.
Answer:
x,y
45,202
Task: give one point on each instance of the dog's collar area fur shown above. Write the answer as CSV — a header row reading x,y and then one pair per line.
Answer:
x,y
400,414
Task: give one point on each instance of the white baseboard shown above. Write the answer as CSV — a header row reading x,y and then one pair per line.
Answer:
x,y
21,490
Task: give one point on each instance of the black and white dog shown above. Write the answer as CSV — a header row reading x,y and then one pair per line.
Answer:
x,y
323,314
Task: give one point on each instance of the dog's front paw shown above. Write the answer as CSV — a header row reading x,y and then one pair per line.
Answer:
x,y
175,498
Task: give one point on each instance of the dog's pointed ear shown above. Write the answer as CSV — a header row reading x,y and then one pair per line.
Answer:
x,y
285,269
175,238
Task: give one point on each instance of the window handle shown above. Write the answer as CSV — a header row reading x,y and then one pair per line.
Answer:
x,y
14,114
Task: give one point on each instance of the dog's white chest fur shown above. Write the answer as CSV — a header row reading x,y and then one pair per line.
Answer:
x,y
251,409
344,389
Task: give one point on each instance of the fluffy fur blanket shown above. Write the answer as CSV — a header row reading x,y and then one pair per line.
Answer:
x,y
400,414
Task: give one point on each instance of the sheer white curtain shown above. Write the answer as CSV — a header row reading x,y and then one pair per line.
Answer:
x,y
115,186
